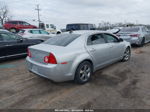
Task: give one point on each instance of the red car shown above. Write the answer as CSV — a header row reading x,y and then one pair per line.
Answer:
x,y
15,26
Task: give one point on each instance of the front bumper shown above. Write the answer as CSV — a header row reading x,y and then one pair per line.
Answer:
x,y
56,73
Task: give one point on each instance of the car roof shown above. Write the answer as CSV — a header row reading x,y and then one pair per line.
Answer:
x,y
88,32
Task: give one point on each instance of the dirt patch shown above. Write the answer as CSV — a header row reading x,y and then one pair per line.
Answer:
x,y
139,51
106,80
129,90
109,79
88,105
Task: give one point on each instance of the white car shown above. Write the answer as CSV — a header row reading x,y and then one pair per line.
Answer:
x,y
35,34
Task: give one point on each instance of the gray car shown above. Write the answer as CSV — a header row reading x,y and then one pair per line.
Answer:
x,y
138,35
77,55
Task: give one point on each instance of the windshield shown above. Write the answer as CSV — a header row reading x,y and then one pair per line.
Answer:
x,y
62,40
130,30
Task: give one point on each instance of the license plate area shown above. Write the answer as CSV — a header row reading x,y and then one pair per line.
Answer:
x,y
34,68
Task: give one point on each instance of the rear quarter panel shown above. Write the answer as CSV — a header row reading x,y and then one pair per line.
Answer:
x,y
74,54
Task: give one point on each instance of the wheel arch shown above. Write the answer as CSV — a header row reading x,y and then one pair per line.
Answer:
x,y
13,28
80,60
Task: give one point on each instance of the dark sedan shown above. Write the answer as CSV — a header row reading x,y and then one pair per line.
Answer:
x,y
12,45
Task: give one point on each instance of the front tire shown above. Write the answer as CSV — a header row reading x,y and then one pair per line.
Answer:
x,y
83,72
127,55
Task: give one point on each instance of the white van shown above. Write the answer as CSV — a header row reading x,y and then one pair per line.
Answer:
x,y
51,28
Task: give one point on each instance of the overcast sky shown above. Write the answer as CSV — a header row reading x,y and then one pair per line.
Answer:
x,y
61,12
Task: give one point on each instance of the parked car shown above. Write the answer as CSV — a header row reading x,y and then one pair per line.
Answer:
x,y
77,55
35,34
138,35
15,26
12,45
80,26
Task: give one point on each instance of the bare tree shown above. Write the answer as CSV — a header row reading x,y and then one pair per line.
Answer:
x,y
4,14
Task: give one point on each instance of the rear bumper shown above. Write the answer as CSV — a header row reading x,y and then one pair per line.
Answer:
x,y
57,73
136,41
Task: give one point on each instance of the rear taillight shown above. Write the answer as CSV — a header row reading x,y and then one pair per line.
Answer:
x,y
50,59
135,35
29,53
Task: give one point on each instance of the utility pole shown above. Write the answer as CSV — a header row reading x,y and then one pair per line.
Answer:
x,y
38,10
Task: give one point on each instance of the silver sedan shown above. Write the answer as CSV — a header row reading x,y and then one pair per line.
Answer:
x,y
76,56
138,35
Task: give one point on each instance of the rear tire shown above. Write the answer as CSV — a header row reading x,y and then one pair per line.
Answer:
x,y
13,30
83,73
58,33
127,55
142,42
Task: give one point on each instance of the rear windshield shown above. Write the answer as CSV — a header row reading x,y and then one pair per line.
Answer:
x,y
130,30
62,40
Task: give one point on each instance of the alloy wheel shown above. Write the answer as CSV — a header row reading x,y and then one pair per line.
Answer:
x,y
127,54
85,73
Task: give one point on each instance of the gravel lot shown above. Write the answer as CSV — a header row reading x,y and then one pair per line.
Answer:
x,y
120,86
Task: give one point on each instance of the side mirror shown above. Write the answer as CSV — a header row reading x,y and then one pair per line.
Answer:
x,y
120,40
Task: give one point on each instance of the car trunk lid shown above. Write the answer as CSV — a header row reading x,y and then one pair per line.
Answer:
x,y
39,52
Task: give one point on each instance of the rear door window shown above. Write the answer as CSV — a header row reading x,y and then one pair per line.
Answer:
x,y
43,32
35,31
110,38
25,23
96,39
62,40
14,22
8,37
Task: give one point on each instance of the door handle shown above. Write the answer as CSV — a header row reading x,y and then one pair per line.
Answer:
x,y
92,50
